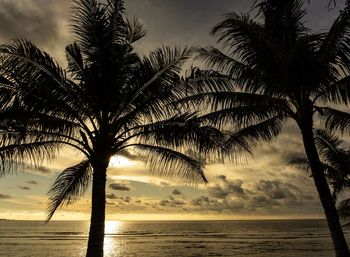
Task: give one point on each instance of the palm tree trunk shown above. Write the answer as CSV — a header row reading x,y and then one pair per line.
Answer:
x,y
330,211
97,224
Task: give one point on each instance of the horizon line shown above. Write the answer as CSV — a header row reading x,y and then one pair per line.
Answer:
x,y
169,220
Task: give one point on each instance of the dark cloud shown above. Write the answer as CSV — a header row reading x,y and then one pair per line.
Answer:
x,y
2,196
119,187
126,199
24,187
262,201
217,192
39,20
308,197
176,192
111,196
276,189
44,169
232,187
231,195
209,204
205,201
32,182
171,203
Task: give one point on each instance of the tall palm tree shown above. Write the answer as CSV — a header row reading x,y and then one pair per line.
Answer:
x,y
107,102
281,72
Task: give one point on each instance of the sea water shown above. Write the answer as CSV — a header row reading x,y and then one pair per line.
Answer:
x,y
287,238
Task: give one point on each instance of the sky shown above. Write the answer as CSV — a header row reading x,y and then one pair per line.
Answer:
x,y
265,187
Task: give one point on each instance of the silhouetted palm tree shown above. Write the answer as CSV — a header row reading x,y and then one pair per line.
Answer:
x,y
282,72
108,101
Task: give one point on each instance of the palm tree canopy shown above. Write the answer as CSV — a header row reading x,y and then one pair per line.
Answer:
x,y
278,68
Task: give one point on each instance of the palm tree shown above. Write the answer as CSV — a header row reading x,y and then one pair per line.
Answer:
x,y
281,72
107,102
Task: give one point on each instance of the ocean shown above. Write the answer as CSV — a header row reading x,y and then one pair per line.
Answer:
x,y
287,238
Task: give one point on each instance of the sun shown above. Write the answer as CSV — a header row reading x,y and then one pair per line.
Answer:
x,y
119,161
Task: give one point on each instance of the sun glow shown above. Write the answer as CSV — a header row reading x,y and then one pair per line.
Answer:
x,y
120,161
112,227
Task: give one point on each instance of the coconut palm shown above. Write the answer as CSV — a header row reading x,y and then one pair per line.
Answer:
x,y
281,72
107,102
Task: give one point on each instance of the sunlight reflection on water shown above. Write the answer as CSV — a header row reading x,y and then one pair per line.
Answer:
x,y
111,246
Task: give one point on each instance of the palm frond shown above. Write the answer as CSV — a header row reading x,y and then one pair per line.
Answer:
x,y
344,210
301,163
238,32
154,89
135,31
88,19
335,43
197,81
283,18
29,64
69,186
181,132
75,61
337,92
241,116
230,66
170,163
338,178
265,130
327,142
221,100
13,156
336,159
335,119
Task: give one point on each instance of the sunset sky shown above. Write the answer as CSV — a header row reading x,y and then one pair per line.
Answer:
x,y
262,188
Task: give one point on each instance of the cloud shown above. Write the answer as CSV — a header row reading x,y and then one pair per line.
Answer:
x,y
206,202
262,201
2,196
32,182
111,196
176,192
263,196
119,187
44,170
217,192
276,189
44,22
24,187
232,187
172,202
